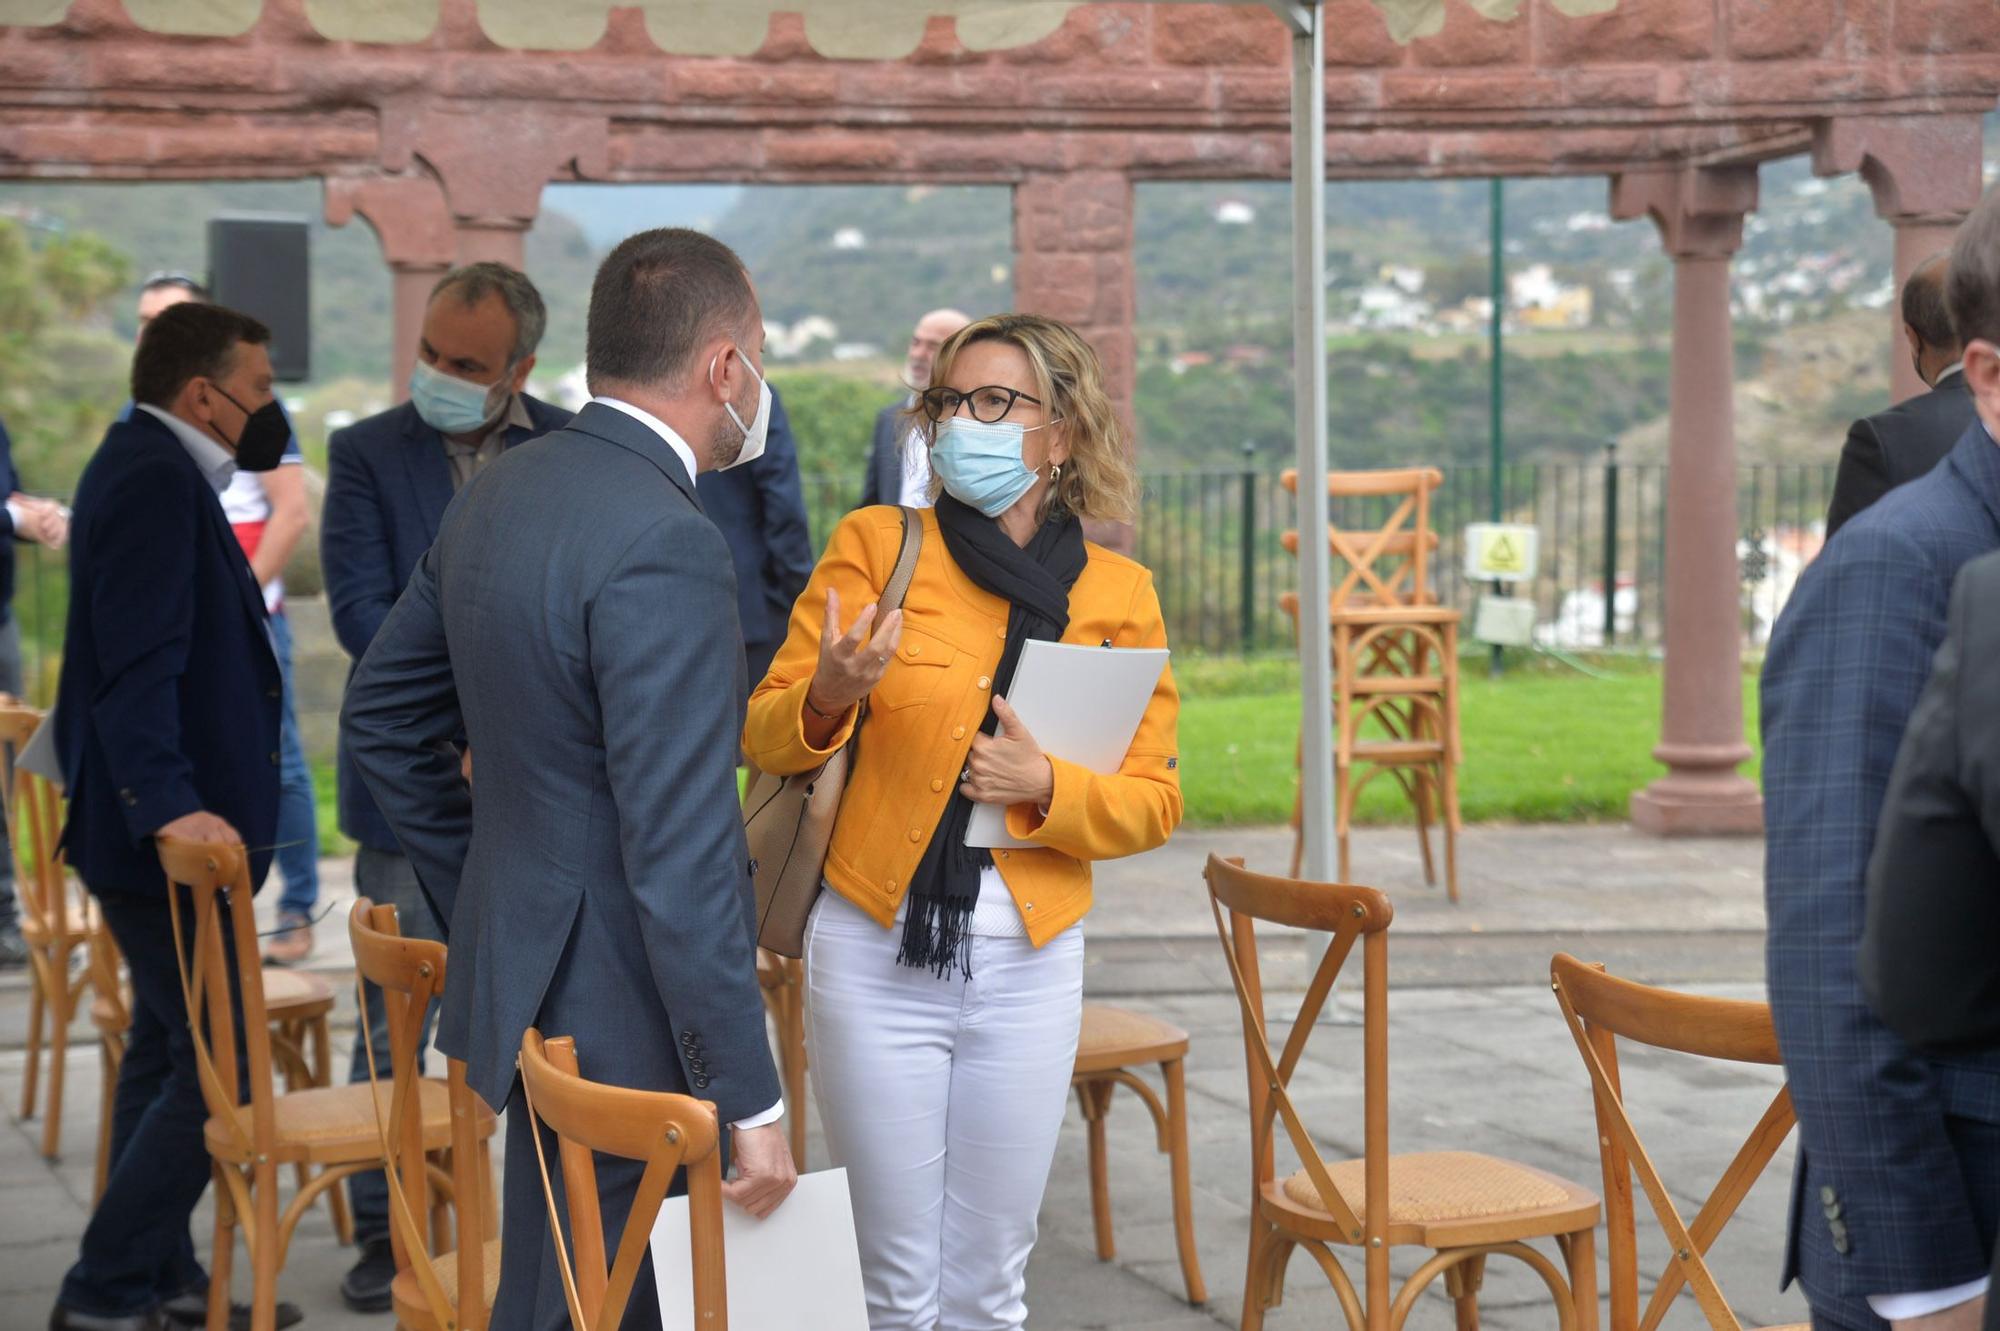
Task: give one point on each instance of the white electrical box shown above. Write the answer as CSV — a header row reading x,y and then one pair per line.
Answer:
x,y
1504,621
1501,551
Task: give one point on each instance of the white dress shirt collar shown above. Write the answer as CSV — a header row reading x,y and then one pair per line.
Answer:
x,y
1956,367
218,464
658,427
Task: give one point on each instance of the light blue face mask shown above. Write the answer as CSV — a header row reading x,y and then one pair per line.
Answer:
x,y
451,406
980,464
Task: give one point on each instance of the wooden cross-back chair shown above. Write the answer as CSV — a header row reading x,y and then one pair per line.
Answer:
x,y
1463,1206
300,1005
1600,1010
252,1130
669,1133
56,921
1395,663
434,1290
783,980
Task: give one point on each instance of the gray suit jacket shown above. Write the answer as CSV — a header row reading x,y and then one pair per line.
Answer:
x,y
884,483
577,620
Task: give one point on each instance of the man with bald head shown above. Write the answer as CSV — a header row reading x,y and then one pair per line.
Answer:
x,y
899,469
1900,444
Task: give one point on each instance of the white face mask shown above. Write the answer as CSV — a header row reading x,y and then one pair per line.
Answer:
x,y
758,431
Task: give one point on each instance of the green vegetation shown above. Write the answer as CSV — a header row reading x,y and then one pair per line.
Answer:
x,y
1542,744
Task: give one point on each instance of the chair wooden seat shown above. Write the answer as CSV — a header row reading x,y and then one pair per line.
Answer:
x,y
110,1016
295,995
334,1123
1116,1037
414,1311
36,930
1436,1195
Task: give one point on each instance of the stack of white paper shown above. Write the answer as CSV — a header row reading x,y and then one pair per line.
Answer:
x,y
799,1268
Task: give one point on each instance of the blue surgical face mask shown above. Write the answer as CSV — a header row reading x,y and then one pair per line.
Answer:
x,y
452,406
981,464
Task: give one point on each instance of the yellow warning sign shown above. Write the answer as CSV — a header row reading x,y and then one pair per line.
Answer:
x,y
1501,551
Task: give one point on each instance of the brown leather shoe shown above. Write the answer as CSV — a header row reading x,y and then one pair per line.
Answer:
x,y
292,942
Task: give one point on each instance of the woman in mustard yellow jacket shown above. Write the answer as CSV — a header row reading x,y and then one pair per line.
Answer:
x,y
944,984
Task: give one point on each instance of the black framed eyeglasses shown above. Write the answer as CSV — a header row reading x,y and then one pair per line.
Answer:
x,y
988,404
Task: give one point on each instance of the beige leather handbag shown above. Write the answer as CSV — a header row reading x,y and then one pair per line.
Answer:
x,y
788,820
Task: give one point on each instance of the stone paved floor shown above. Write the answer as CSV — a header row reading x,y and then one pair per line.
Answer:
x,y
1479,1056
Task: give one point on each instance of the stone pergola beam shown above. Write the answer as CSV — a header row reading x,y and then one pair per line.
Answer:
x,y
1699,212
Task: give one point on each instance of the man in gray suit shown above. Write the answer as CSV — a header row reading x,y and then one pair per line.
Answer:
x,y
899,469
567,623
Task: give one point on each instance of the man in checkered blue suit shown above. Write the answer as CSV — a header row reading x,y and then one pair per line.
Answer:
x,y
1896,1199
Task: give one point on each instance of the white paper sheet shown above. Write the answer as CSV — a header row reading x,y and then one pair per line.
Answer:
x,y
1082,704
799,1268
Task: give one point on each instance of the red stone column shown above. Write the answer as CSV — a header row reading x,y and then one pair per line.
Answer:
x,y
414,226
1925,175
1699,212
1073,262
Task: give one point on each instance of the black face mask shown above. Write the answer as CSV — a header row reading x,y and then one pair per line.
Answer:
x,y
260,445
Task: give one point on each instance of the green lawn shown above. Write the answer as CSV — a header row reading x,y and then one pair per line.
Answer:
x,y
1542,744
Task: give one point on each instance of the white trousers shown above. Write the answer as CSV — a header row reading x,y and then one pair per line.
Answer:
x,y
943,1100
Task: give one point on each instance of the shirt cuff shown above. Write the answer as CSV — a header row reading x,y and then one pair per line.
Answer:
x,y
1897,1307
767,1118
15,514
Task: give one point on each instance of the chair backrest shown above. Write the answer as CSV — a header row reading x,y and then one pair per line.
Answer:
x,y
1240,900
1388,564
410,972
1600,1010
215,944
107,979
34,828
669,1132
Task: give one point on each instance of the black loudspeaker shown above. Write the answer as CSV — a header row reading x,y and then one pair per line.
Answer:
x,y
258,265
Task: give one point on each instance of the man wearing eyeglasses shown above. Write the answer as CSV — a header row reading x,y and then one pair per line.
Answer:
x,y
899,468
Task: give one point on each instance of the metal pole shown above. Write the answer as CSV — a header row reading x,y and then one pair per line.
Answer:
x,y
1496,407
1247,581
1610,542
1309,353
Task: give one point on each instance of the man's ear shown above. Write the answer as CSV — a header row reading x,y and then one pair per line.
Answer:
x,y
1982,376
1915,339
521,372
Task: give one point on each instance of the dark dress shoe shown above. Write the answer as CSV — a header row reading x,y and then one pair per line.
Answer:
x,y
365,1288
189,1308
68,1319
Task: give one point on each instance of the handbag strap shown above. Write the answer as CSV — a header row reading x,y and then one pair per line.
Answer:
x,y
898,585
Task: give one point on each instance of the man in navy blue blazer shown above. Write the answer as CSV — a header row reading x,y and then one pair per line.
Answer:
x,y
168,725
1897,1189
760,508
389,479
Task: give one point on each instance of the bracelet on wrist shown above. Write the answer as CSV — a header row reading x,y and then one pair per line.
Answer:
x,y
824,716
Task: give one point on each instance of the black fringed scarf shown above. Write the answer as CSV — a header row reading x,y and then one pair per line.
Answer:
x,y
1035,582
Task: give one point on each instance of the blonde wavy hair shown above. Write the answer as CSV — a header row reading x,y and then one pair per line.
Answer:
x,y
1099,480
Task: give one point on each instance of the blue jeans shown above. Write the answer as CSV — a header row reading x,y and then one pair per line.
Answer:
x,y
385,878
298,814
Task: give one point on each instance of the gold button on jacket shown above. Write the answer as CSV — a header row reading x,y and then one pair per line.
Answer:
x,y
931,702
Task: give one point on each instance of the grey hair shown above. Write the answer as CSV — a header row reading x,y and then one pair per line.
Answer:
x,y
476,281
1973,288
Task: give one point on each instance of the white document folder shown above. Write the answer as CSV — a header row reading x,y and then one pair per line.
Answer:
x,y
798,1268
1082,704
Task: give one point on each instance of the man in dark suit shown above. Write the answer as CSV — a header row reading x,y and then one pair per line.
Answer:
x,y
44,521
171,704
1897,1188
760,509
566,623
1885,450
899,469
389,479
1928,960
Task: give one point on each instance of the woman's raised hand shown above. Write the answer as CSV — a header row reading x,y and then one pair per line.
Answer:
x,y
851,664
